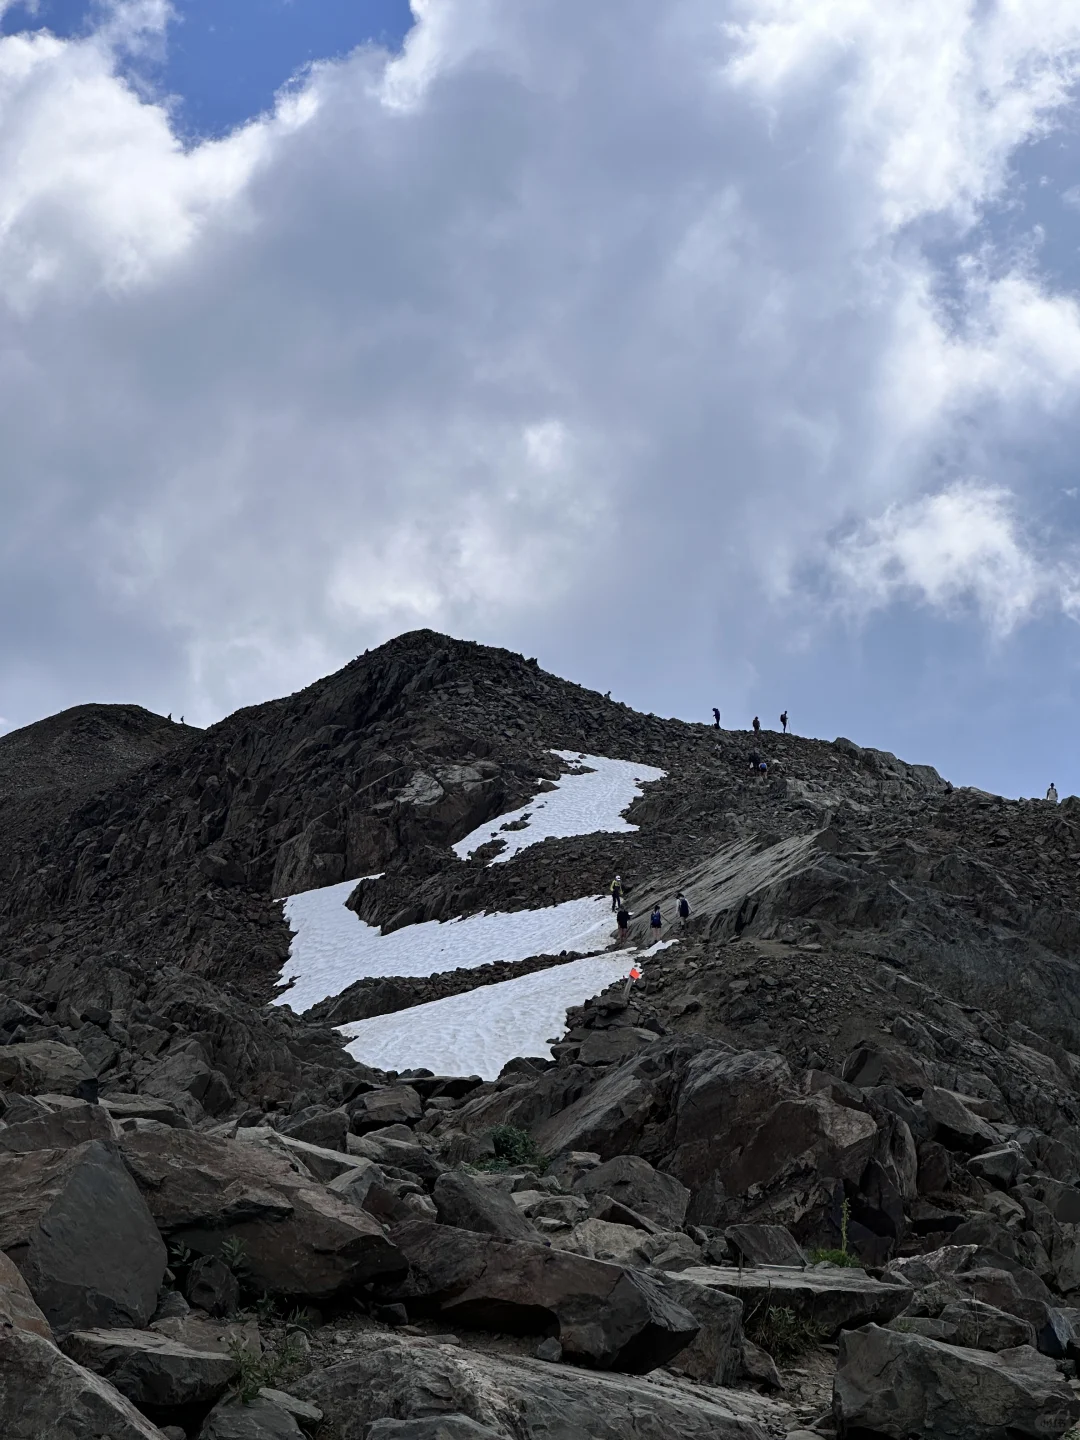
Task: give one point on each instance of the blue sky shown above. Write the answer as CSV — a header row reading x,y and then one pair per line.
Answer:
x,y
719,352
224,60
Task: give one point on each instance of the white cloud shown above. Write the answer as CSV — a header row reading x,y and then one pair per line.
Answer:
x,y
570,322
965,546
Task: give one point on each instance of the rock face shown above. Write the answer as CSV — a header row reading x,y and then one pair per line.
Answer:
x,y
394,1377
77,1227
607,1316
261,1419
154,1372
18,1309
900,1385
44,1394
298,1237
44,1066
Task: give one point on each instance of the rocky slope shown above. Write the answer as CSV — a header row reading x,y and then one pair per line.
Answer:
x,y
819,1167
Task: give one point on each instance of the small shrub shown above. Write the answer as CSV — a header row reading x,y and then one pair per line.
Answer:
x,y
235,1257
512,1147
836,1257
785,1335
268,1370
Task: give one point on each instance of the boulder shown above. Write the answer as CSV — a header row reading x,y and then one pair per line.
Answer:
x,y
212,1286
325,1128
399,1377
714,1356
185,1078
396,1105
833,1297
77,1227
607,1316
299,1238
461,1202
898,1385
602,1240
399,1154
260,1419
737,1127
765,1245
607,1047
998,1167
18,1308
954,1124
634,1183
608,1119
38,1066
154,1372
58,1130
433,1427
143,1107
324,1164
984,1327
46,1396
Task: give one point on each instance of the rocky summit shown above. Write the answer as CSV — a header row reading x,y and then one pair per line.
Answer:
x,y
808,1166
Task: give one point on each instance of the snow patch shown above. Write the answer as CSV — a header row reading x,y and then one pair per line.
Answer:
x,y
333,947
579,805
478,1032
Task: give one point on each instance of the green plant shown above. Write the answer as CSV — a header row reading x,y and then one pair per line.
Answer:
x,y
777,1329
234,1255
843,1256
512,1147
299,1318
255,1372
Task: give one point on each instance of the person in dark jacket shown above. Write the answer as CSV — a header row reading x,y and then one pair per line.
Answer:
x,y
757,726
656,920
622,920
783,722
716,717
683,909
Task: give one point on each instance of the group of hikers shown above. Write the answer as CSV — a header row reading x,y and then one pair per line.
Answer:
x,y
757,721
656,917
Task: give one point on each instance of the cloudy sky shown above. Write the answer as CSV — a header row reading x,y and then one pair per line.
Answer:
x,y
714,351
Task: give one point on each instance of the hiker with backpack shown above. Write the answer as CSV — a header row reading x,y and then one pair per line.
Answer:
x,y
783,721
656,920
683,908
757,726
622,920
716,717
616,892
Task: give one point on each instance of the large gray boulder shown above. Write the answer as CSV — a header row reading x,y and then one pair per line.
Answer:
x,y
714,1356
18,1308
634,1183
153,1371
40,1067
433,1427
603,1314
834,1297
75,1224
399,1377
58,1130
298,1237
46,1396
261,1419
463,1203
954,1124
902,1385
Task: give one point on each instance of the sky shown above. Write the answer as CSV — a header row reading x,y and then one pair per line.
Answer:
x,y
722,352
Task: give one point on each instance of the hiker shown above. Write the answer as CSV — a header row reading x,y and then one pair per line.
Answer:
x,y
755,759
763,767
181,719
757,726
684,909
622,920
169,715
716,717
783,722
616,892
1051,794
655,922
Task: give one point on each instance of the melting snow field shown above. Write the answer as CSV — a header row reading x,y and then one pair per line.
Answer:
x,y
475,1033
580,805
333,947
478,1032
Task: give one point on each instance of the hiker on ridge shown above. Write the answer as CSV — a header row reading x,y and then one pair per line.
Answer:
x,y
1052,794
716,717
616,892
655,922
757,726
783,722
